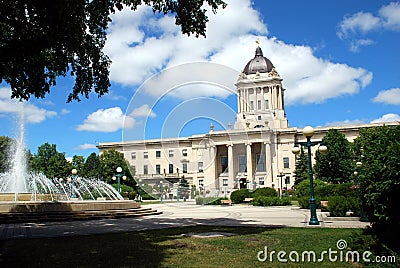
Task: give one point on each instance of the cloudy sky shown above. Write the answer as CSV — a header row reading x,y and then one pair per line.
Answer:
x,y
338,60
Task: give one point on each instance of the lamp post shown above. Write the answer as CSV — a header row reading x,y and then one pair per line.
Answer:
x,y
161,191
287,182
281,175
118,176
356,173
308,132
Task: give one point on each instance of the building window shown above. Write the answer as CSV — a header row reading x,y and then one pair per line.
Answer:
x,y
184,152
158,169
242,163
145,169
224,163
287,180
259,105
261,181
260,163
184,167
286,162
266,104
200,164
225,182
170,168
171,153
251,105
145,155
133,155
201,184
158,154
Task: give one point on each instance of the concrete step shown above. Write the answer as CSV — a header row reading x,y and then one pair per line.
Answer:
x,y
19,217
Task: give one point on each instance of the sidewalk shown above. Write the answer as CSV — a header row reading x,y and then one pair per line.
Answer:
x,y
175,215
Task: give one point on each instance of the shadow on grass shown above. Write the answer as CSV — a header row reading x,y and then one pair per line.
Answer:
x,y
137,248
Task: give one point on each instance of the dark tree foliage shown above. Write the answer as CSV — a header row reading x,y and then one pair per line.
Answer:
x,y
109,161
337,165
5,149
51,162
183,189
41,40
380,179
301,171
91,168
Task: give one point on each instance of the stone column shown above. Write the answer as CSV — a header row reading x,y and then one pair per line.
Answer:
x,y
231,171
268,162
249,164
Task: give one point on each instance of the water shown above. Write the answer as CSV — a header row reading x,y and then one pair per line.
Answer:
x,y
19,180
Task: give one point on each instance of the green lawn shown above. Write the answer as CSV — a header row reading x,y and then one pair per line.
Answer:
x,y
172,248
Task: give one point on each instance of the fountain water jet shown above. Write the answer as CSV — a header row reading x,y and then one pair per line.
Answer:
x,y
29,196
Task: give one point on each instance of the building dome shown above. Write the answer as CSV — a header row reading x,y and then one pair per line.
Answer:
x,y
258,64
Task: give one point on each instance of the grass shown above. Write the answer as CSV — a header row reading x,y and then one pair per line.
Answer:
x,y
171,248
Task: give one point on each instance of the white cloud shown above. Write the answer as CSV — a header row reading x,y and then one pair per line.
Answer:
x,y
391,117
106,120
65,111
143,111
390,15
390,96
362,23
346,122
358,23
85,146
142,45
32,113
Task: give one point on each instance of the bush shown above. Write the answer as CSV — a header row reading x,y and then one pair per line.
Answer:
x,y
209,200
338,206
125,190
238,196
271,201
304,202
265,192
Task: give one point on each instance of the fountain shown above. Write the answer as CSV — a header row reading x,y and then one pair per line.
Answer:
x,y
31,196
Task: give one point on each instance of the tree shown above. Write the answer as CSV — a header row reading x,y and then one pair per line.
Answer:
x,y
91,168
380,179
78,162
183,188
109,161
336,166
51,162
301,171
5,149
42,40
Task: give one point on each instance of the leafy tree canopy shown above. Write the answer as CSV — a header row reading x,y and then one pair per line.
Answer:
x,y
5,148
337,165
109,161
51,162
380,179
41,40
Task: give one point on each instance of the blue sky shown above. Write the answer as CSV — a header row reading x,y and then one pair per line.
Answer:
x,y
338,60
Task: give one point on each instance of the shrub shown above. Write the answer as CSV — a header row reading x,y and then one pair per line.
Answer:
x,y
304,202
238,196
338,206
209,200
265,192
271,201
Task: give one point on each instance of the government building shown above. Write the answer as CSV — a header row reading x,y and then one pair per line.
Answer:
x,y
256,152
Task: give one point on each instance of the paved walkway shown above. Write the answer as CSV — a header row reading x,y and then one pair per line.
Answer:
x,y
174,215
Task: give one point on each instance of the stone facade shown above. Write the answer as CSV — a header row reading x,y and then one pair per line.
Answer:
x,y
251,155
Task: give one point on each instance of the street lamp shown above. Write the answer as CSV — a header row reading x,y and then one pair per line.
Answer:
x,y
308,132
281,175
356,172
118,176
287,181
161,191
